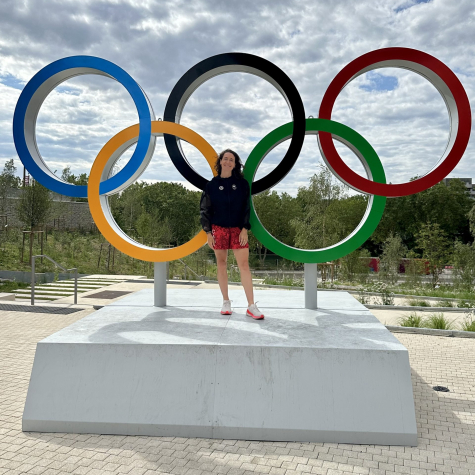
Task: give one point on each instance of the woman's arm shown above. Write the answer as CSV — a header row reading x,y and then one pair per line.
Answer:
x,y
206,211
247,208
243,238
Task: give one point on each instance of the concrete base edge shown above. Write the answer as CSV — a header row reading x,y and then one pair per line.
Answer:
x,y
234,433
334,374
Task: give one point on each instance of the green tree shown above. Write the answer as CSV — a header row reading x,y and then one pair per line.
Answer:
x,y
463,260
355,265
435,247
447,206
8,180
81,179
393,252
328,214
66,175
275,212
34,205
414,269
127,207
161,202
471,220
155,232
174,203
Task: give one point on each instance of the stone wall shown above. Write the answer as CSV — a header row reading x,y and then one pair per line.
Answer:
x,y
64,214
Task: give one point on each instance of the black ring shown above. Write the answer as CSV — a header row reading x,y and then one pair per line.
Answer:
x,y
226,63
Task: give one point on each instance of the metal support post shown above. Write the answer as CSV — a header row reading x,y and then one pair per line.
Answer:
x,y
310,285
32,292
76,286
160,284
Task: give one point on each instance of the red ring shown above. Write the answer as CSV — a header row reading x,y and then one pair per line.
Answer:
x,y
443,169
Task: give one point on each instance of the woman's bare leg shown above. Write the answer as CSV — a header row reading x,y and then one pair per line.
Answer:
x,y
242,259
221,261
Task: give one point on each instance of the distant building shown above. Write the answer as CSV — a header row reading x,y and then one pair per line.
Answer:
x,y
468,184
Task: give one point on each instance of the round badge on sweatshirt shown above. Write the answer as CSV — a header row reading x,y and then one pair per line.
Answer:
x,y
221,187
234,187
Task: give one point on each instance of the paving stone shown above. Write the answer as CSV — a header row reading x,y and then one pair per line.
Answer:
x,y
446,424
277,471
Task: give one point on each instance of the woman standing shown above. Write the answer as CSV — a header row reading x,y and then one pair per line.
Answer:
x,y
225,210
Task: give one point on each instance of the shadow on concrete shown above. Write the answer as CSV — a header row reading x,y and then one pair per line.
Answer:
x,y
298,327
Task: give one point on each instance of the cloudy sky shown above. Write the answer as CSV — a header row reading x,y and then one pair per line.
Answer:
x,y
400,113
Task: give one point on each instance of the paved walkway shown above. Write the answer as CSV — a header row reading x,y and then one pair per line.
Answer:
x,y
133,283
446,423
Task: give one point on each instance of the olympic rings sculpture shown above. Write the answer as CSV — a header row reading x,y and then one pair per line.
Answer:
x,y
144,134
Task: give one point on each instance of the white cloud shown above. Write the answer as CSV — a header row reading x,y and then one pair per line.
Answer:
x,y
157,42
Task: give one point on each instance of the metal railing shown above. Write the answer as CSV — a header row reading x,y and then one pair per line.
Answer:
x,y
200,277
33,277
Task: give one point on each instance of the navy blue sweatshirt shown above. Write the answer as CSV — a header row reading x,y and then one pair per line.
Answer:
x,y
225,202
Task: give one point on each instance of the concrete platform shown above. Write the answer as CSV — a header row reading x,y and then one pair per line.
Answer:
x,y
335,374
7,296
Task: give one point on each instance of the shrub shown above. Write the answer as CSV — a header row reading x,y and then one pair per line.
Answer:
x,y
362,297
10,285
465,304
468,324
418,303
412,320
386,297
437,321
464,265
287,281
444,303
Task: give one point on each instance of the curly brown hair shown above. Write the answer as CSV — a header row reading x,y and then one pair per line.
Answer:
x,y
237,170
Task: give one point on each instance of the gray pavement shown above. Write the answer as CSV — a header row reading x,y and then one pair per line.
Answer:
x,y
445,422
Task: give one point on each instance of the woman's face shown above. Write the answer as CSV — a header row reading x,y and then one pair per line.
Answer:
x,y
228,162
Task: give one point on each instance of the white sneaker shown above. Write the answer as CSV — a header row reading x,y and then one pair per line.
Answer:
x,y
226,309
254,312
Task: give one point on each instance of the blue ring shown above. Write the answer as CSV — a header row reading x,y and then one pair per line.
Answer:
x,y
111,69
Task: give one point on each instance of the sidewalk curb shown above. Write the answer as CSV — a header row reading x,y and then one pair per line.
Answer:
x,y
431,331
408,296
419,309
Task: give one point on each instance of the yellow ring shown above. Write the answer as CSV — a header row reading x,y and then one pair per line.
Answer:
x,y
100,210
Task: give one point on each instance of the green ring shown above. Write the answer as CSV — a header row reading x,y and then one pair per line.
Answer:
x,y
374,210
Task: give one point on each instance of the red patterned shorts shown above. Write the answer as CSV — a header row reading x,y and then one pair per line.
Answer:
x,y
227,238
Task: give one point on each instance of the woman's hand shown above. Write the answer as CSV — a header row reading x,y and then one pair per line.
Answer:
x,y
243,237
211,241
